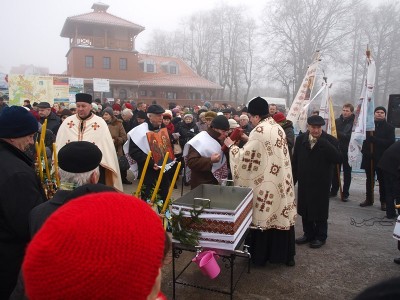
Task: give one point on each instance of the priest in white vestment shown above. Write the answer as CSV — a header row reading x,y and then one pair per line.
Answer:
x,y
264,165
86,126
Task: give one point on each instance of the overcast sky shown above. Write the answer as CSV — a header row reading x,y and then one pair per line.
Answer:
x,y
30,30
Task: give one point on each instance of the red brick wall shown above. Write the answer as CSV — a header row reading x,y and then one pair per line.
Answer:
x,y
76,58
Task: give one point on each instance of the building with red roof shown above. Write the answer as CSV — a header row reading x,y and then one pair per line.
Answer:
x,y
102,45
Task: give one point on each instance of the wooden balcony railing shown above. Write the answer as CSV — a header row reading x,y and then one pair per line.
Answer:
x,y
100,42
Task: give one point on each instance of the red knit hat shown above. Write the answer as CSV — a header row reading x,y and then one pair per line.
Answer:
x,y
279,117
99,246
116,107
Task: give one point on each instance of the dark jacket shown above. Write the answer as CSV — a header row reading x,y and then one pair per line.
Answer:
x,y
20,192
344,128
201,166
382,138
287,126
53,122
187,131
312,169
390,160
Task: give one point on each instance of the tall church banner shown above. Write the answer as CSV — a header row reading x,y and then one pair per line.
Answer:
x,y
298,112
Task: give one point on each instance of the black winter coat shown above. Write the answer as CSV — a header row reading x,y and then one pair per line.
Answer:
x,y
187,132
383,138
53,122
20,192
344,128
312,169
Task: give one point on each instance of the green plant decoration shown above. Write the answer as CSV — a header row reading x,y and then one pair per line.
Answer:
x,y
181,230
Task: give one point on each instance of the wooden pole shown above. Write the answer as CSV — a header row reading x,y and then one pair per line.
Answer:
x,y
340,182
372,165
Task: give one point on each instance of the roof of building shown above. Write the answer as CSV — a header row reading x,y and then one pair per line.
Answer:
x,y
185,76
99,15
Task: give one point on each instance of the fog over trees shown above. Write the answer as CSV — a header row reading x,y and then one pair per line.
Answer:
x,y
249,55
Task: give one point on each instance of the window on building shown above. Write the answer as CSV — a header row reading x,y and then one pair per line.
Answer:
x,y
150,68
152,93
173,70
143,93
89,62
106,62
171,95
122,94
123,64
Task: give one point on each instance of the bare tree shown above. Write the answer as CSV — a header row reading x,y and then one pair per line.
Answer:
x,y
384,37
295,29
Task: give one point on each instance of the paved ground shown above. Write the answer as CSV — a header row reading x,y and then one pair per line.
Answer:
x,y
359,252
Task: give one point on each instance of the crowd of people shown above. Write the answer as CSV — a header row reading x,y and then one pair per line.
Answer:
x,y
98,142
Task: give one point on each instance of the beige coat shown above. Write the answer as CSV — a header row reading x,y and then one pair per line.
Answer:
x,y
118,134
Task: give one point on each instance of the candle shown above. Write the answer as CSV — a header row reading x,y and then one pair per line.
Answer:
x,y
43,131
46,164
39,161
137,193
153,196
171,188
56,165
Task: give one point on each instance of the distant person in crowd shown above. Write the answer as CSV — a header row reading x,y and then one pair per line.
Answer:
x,y
273,109
72,107
315,155
127,119
99,246
389,164
264,165
86,126
21,191
56,108
227,112
205,162
287,126
27,103
209,116
236,117
315,112
117,110
383,137
141,117
344,126
202,124
244,111
119,138
45,112
95,109
167,116
245,124
187,130
2,104
65,114
138,147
